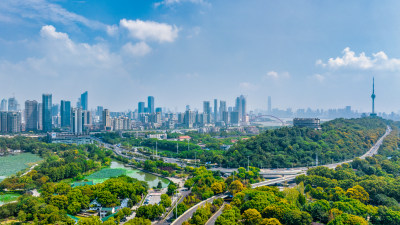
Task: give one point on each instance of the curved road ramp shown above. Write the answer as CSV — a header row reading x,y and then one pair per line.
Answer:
x,y
372,151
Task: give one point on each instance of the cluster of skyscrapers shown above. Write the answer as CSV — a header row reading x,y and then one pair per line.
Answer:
x,y
45,116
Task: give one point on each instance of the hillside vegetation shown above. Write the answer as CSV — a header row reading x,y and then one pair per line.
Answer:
x,y
338,140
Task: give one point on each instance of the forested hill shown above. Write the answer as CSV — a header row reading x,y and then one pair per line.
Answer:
x,y
338,140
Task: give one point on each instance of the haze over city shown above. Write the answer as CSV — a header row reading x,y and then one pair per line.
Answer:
x,y
319,55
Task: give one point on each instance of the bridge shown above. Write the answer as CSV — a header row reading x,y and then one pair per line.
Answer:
x,y
270,116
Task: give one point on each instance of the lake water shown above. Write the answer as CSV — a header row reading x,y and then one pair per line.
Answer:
x,y
11,164
117,169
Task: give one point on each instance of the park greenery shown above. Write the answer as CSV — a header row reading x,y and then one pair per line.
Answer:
x,y
60,198
338,140
365,191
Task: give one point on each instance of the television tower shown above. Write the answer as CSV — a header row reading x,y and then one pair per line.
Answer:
x,y
373,97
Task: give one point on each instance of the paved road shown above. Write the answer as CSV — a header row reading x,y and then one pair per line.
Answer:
x,y
188,214
168,219
372,151
214,217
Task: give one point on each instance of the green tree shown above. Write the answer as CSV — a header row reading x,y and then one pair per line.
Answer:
x,y
251,217
236,187
74,208
138,221
165,200
359,193
93,220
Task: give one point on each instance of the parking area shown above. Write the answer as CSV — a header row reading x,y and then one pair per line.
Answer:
x,y
152,198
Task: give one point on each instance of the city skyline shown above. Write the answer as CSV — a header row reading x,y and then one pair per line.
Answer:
x,y
321,55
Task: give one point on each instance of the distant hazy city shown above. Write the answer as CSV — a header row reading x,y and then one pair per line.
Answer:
x,y
45,116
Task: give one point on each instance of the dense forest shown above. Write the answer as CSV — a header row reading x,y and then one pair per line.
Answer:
x,y
338,140
359,193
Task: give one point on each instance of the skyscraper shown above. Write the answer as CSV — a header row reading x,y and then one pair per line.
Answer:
x,y
3,122
150,104
222,108
46,112
141,106
215,110
12,104
106,122
240,107
207,110
269,105
77,123
65,112
189,120
55,109
31,115
40,116
3,106
84,100
13,122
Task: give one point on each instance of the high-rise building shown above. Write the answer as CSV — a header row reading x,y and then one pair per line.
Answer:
x,y
3,122
99,111
215,110
189,119
225,117
40,116
141,106
3,106
150,104
65,112
106,122
234,118
84,100
46,112
222,107
77,123
158,110
244,108
12,104
55,109
269,105
13,122
31,115
207,110
87,120
240,107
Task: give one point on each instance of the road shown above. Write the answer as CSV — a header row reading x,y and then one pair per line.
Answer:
x,y
372,151
170,215
214,217
188,214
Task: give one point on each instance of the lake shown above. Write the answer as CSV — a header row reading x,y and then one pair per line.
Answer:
x,y
117,169
11,164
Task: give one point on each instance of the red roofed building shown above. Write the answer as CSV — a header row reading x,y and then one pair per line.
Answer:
x,y
184,138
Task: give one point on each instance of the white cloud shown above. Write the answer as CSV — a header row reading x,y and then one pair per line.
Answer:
x,y
138,49
150,30
349,60
174,2
248,86
44,10
49,31
275,75
61,57
112,30
318,77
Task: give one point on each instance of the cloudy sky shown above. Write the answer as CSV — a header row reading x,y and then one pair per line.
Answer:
x,y
318,54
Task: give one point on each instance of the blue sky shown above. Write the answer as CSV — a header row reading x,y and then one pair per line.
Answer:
x,y
318,54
